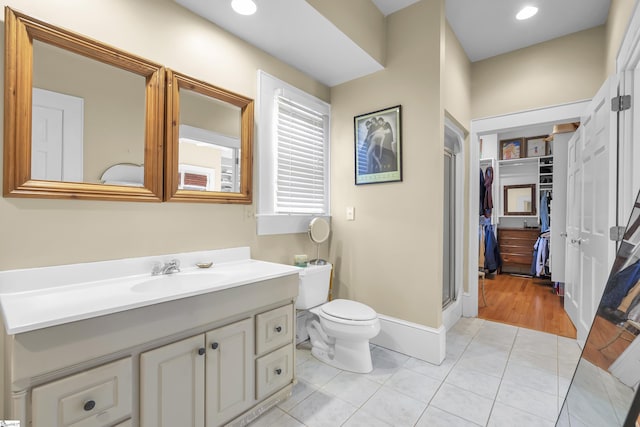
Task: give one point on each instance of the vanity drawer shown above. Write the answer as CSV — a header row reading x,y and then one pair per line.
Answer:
x,y
274,371
96,397
274,329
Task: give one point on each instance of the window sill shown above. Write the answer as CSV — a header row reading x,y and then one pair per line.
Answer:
x,y
269,224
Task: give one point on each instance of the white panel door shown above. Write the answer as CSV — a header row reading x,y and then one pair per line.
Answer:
x,y
572,255
594,177
230,380
559,206
172,384
46,143
56,136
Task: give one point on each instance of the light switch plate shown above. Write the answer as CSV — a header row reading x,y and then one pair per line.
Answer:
x,y
351,213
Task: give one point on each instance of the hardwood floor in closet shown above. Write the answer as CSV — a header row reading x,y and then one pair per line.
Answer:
x,y
524,302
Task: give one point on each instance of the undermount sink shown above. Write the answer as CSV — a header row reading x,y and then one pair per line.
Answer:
x,y
179,281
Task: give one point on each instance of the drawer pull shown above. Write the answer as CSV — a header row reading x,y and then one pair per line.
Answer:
x,y
89,405
214,346
201,351
278,328
278,371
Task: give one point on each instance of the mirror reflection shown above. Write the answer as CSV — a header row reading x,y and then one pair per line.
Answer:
x,y
86,117
82,119
209,144
520,199
608,373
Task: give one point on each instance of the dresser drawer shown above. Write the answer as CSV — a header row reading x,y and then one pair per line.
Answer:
x,y
274,371
274,329
96,397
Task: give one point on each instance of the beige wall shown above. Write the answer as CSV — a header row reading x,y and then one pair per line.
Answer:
x,y
457,104
42,232
360,20
457,80
390,257
619,13
566,69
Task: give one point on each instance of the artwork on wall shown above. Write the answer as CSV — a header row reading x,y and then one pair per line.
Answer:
x,y
378,146
536,146
512,149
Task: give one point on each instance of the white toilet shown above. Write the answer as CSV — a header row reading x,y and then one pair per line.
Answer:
x,y
339,330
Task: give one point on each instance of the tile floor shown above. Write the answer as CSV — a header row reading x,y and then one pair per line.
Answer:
x,y
493,375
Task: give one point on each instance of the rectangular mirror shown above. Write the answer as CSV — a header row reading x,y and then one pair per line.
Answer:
x,y
209,143
520,199
82,119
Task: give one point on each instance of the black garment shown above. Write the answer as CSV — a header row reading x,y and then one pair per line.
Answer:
x,y
488,199
482,191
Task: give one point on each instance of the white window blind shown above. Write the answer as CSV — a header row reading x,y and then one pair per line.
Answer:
x,y
301,158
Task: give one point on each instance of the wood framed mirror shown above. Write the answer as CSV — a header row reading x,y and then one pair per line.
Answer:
x,y
520,200
117,103
209,153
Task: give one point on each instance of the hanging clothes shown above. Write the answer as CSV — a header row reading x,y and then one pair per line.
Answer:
x,y
482,248
540,256
619,285
488,199
482,192
544,211
492,258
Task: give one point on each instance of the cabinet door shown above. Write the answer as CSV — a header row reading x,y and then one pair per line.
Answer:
x,y
172,384
229,371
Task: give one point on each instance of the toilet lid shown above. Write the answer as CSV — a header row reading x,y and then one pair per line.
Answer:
x,y
349,310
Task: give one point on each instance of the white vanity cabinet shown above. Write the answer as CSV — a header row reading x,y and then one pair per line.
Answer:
x,y
206,374
215,358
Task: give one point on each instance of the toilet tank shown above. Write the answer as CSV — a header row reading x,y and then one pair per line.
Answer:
x,y
313,287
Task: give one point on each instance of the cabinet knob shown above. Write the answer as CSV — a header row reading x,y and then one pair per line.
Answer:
x,y
89,405
278,371
278,328
214,345
201,351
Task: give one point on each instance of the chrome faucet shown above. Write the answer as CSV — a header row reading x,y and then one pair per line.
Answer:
x,y
170,267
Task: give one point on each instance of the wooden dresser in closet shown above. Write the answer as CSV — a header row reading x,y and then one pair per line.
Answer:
x,y
516,248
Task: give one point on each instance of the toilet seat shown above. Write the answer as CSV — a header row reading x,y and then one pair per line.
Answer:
x,y
348,312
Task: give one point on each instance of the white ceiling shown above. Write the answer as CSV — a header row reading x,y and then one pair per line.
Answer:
x,y
294,32
488,28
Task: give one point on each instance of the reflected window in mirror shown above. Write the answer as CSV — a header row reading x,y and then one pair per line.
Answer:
x,y
74,108
209,143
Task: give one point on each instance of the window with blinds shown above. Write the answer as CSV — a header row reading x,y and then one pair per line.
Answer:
x,y
301,160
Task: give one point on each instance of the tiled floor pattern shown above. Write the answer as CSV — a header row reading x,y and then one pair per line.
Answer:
x,y
493,375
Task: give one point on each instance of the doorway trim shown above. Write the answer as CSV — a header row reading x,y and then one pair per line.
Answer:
x,y
562,113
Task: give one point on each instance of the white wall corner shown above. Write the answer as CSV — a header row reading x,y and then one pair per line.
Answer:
x,y
412,339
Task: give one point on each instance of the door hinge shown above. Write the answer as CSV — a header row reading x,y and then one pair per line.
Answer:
x,y
616,233
621,103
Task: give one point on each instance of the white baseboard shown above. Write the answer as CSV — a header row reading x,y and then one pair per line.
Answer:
x,y
452,314
412,339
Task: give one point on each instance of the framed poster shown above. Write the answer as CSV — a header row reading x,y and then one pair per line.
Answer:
x,y
378,146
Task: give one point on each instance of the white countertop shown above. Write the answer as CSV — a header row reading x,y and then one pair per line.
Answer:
x,y
32,299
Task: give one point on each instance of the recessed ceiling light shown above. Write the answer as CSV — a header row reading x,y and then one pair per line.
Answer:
x,y
526,12
244,7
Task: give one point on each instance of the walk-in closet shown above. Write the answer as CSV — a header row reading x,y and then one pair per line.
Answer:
x,y
522,208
